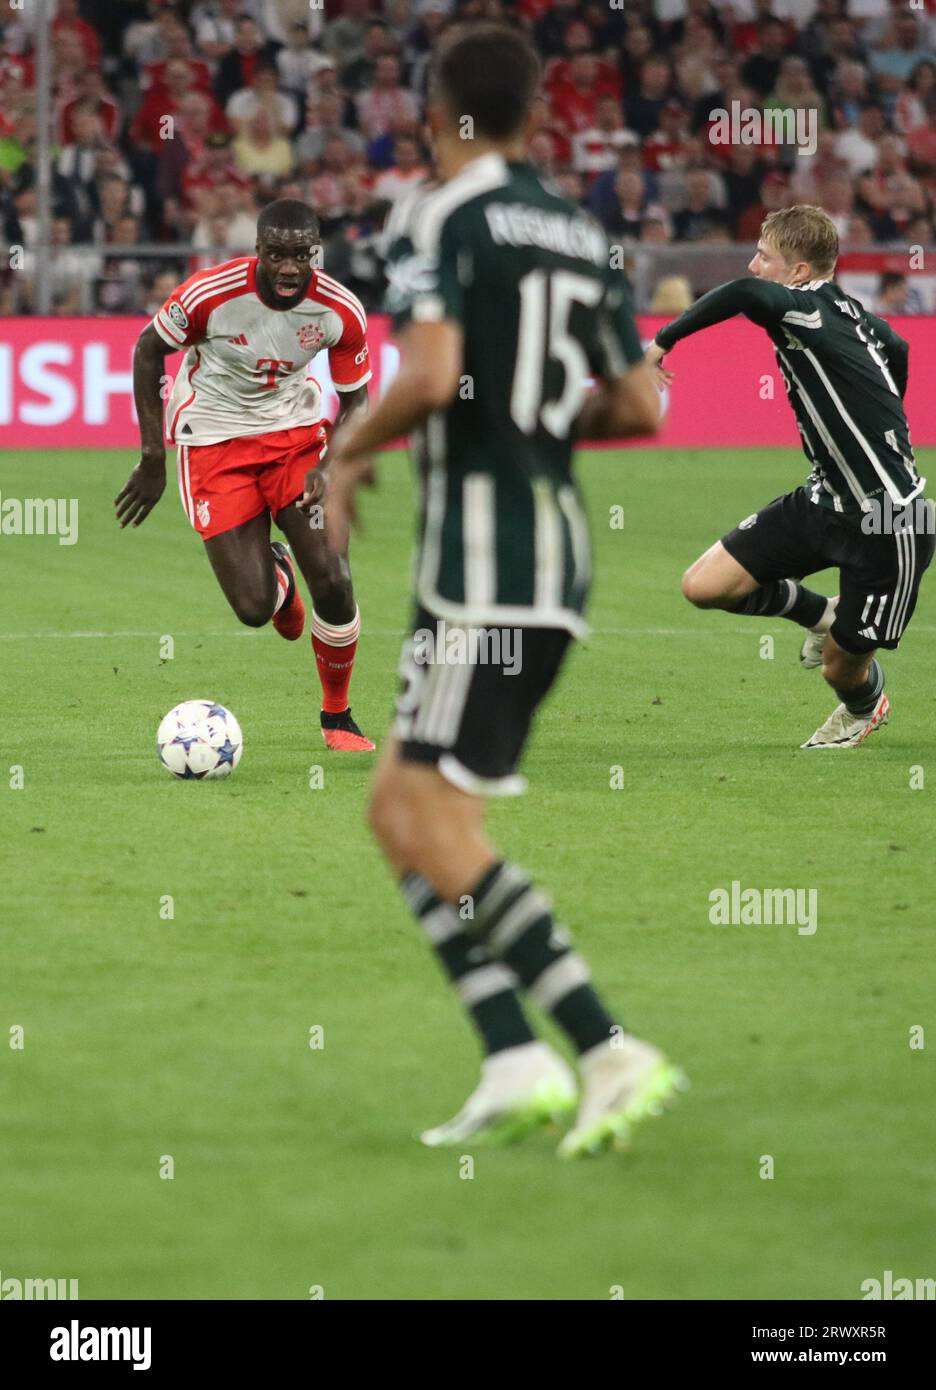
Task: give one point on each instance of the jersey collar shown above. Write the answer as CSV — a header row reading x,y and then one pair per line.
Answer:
x,y
492,163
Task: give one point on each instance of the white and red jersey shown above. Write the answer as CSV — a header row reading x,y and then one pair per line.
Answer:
x,y
245,369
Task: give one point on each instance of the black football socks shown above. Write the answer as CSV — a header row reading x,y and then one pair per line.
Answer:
x,y
485,986
784,598
515,922
861,700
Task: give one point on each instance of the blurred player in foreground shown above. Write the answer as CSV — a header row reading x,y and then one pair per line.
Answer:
x,y
501,285
247,423
861,509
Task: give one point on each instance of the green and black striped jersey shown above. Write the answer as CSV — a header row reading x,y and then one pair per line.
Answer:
x,y
845,373
526,274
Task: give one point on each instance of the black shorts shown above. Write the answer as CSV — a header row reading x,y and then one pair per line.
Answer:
x,y
469,695
879,574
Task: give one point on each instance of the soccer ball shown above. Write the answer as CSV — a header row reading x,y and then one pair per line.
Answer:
x,y
199,739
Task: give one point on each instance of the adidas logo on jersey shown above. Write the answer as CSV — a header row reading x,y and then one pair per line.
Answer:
x,y
239,341
868,632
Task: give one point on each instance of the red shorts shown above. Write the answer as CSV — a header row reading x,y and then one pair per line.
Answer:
x,y
224,485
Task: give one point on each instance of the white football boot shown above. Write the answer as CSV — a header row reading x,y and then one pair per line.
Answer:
x,y
624,1081
811,651
521,1089
845,730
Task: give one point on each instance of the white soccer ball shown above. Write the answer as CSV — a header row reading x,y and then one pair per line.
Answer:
x,y
199,738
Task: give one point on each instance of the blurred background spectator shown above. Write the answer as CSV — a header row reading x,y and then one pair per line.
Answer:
x,y
175,121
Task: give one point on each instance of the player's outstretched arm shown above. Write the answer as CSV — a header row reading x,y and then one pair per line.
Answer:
x,y
147,482
762,301
621,408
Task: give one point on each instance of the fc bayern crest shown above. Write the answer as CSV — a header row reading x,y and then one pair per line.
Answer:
x,y
311,336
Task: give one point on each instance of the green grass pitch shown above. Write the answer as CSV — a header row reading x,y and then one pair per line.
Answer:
x,y
297,1167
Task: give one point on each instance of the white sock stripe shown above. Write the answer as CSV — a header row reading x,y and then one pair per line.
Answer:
x,y
441,924
416,892
484,982
791,597
530,906
567,973
331,640
340,634
509,878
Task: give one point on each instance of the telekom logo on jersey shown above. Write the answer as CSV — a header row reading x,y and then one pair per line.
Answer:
x,y
271,368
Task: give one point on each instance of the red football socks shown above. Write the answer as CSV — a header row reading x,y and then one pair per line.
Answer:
x,y
334,647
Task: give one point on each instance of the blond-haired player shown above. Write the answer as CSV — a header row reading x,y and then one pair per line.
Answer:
x,y
861,508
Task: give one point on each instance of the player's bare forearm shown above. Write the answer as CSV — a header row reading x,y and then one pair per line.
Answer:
x,y
351,404
147,482
149,357
624,408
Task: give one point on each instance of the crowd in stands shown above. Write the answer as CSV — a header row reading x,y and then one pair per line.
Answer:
x,y
175,122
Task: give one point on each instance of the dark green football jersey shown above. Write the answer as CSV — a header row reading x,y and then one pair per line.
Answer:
x,y
526,274
845,373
